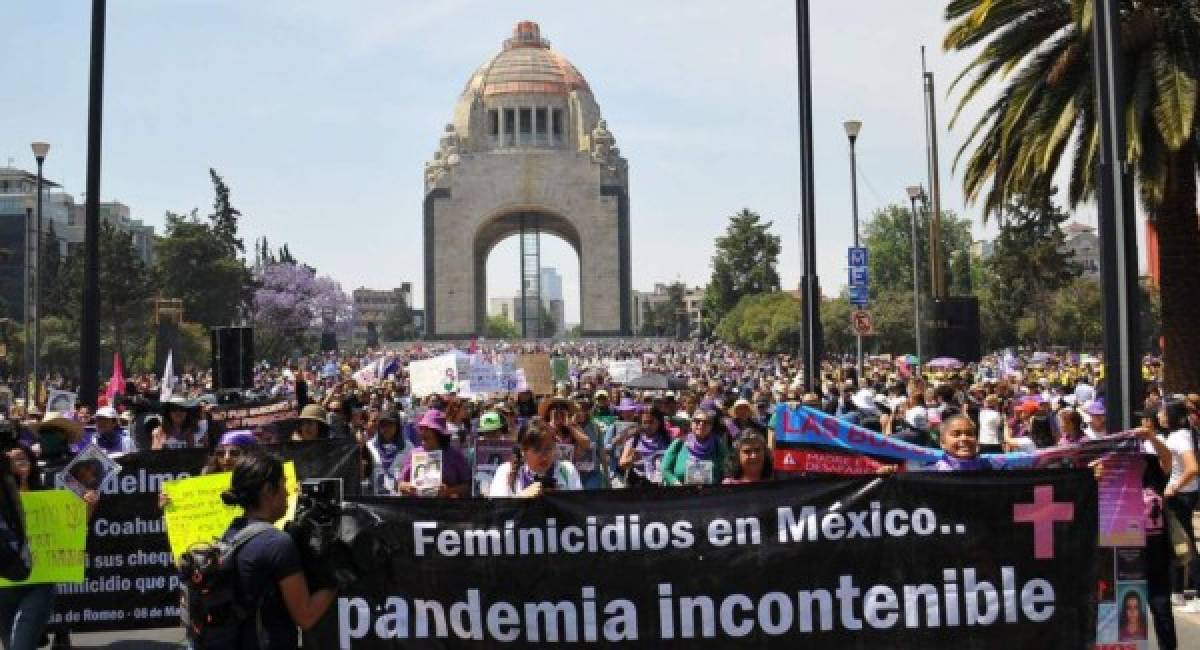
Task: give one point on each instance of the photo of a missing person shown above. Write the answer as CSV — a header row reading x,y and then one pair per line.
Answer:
x,y
90,470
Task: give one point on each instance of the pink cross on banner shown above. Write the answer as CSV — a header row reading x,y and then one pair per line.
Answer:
x,y
1043,513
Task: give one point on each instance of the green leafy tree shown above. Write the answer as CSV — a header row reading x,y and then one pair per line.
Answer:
x,y
194,265
60,346
1029,263
764,322
548,324
663,318
126,289
888,238
835,325
224,216
499,327
743,264
54,300
1038,55
398,326
1078,314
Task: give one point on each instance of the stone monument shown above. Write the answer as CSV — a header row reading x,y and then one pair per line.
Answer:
x,y
527,152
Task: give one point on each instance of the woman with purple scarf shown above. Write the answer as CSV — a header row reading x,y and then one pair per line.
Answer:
x,y
641,457
960,443
699,457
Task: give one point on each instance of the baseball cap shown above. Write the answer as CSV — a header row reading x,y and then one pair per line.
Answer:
x,y
490,421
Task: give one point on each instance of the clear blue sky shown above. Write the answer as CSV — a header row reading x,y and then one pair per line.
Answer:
x,y
320,115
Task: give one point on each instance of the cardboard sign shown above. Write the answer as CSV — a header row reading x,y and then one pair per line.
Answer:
x,y
196,513
623,372
437,375
56,525
537,372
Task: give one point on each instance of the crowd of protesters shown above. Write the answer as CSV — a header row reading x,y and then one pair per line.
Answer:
x,y
713,425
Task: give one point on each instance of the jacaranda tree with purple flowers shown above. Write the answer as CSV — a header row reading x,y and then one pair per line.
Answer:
x,y
290,302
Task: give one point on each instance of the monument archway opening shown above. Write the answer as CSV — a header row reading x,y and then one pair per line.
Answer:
x,y
528,263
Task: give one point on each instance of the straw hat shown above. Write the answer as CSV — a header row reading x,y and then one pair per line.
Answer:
x,y
58,420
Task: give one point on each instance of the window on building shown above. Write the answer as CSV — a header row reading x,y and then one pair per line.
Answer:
x,y
526,125
510,125
539,123
494,124
556,126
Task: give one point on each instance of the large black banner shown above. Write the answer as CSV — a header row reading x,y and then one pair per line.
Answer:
x,y
1000,560
130,580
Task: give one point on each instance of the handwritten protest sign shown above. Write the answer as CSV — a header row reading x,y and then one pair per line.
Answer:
x,y
437,375
623,372
56,524
494,375
537,372
197,514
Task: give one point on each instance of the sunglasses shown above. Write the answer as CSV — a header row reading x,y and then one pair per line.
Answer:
x,y
229,452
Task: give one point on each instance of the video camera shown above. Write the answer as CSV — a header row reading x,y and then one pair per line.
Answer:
x,y
336,540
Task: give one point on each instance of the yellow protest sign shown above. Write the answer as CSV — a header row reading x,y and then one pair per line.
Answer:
x,y
195,512
56,525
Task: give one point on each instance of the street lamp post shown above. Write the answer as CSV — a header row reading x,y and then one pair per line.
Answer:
x,y
915,192
40,149
853,127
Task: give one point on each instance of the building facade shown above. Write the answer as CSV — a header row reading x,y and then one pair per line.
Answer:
x,y
62,216
646,301
1083,242
372,308
18,234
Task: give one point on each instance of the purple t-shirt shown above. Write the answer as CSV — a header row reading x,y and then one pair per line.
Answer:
x,y
455,470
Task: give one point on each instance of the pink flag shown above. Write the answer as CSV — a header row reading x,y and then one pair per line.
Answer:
x,y
116,383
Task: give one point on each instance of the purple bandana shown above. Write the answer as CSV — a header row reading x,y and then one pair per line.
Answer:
x,y
646,445
701,449
949,463
526,476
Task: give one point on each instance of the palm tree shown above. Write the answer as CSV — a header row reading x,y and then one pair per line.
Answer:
x,y
1040,51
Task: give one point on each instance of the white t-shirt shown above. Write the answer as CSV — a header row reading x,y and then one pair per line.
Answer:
x,y
991,427
564,472
1180,442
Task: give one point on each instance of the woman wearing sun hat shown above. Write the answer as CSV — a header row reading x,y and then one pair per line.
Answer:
x,y
456,473
314,424
56,433
181,426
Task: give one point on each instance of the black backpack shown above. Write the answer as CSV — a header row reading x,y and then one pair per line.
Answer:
x,y
208,574
16,560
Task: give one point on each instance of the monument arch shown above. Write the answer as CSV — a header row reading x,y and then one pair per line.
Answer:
x,y
527,152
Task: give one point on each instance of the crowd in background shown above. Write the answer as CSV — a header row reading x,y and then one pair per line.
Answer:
x,y
712,424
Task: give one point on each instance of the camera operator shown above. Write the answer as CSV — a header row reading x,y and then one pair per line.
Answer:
x,y
534,468
270,576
